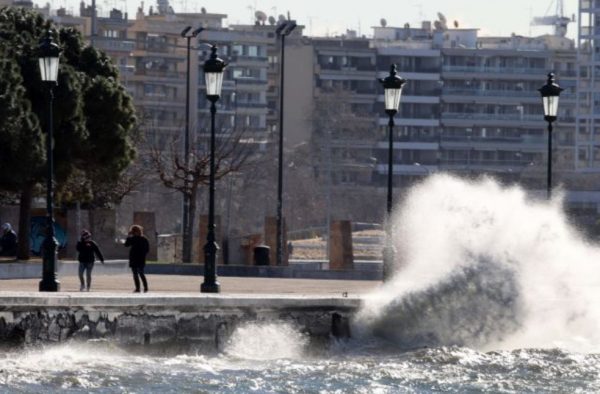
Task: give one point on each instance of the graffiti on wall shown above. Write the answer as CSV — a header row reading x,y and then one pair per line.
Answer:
x,y
38,233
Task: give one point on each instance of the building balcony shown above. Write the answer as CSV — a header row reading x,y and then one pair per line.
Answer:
x,y
490,93
414,76
156,74
494,71
339,75
249,59
154,54
406,169
250,81
520,95
492,117
415,99
114,45
525,143
250,104
346,69
158,103
491,165
409,145
399,120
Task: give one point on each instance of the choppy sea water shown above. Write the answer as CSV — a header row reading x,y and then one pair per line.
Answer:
x,y
349,368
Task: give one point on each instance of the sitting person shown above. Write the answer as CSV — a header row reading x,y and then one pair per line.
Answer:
x,y
8,241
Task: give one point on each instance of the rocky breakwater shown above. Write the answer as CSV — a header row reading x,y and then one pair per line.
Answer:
x,y
206,320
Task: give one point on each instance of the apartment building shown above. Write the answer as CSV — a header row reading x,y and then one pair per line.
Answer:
x,y
470,105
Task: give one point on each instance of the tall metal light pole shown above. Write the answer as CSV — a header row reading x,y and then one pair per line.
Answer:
x,y
550,93
213,74
48,61
392,87
283,30
187,250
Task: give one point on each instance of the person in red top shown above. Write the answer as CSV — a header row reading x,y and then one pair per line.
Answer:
x,y
88,250
137,255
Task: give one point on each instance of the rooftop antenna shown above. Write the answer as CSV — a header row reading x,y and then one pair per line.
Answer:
x,y
252,9
260,16
421,15
443,21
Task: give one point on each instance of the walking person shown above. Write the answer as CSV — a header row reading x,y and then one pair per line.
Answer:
x,y
139,247
87,250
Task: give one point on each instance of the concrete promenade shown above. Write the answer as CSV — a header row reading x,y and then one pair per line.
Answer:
x,y
178,284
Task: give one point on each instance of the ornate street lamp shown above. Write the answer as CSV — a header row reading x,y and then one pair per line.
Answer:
x,y
213,74
392,88
283,29
550,93
49,54
185,33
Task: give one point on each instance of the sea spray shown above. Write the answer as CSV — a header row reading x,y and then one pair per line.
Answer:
x,y
266,341
486,266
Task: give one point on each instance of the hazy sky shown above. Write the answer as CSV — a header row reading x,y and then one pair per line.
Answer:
x,y
321,17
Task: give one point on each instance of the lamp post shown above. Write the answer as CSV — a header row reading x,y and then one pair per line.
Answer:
x,y
48,61
550,93
213,74
283,30
187,255
392,88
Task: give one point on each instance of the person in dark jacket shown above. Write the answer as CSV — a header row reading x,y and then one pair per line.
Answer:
x,y
8,241
139,248
88,251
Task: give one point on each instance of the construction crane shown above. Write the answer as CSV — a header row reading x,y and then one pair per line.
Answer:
x,y
558,20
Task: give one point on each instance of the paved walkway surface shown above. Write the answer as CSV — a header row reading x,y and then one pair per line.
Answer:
x,y
191,284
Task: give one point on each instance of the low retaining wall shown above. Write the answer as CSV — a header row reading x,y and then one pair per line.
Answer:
x,y
30,318
29,270
363,271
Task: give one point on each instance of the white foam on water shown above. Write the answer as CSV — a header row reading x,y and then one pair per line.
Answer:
x,y
487,266
266,341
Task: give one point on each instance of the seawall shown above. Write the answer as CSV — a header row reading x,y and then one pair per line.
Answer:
x,y
208,320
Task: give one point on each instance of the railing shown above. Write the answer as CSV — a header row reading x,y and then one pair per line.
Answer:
x,y
250,104
492,117
491,93
476,140
250,81
261,59
157,74
504,70
510,164
114,45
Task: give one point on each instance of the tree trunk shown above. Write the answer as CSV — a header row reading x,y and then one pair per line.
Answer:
x,y
23,250
192,213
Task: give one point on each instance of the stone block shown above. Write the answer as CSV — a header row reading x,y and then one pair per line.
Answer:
x,y
169,248
340,245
